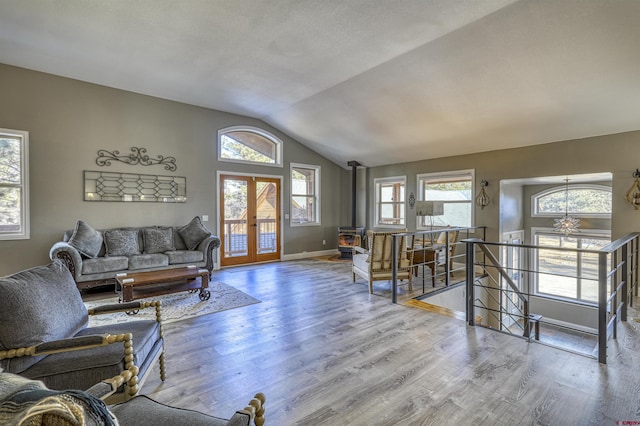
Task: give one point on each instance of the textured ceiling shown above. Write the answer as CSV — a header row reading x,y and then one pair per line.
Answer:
x,y
377,81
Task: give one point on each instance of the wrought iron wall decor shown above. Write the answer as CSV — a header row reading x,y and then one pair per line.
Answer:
x,y
412,200
137,156
111,186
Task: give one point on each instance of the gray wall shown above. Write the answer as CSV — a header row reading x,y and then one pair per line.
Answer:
x,y
69,121
512,211
611,153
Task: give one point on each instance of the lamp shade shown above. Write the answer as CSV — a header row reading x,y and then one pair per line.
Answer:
x,y
429,208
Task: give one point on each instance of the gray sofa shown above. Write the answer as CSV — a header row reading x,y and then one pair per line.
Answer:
x,y
94,257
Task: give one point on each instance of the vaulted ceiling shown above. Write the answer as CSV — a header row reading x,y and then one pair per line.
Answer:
x,y
377,81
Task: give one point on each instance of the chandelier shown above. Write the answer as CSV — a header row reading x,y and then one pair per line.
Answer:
x,y
566,224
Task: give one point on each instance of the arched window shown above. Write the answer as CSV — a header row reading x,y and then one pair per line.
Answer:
x,y
246,144
581,200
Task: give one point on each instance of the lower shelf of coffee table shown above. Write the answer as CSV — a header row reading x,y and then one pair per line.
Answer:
x,y
129,291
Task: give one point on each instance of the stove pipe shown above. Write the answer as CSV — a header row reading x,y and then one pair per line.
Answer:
x,y
354,180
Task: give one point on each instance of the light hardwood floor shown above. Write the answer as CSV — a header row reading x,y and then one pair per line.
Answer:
x,y
326,352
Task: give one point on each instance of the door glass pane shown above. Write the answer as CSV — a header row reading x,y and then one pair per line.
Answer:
x,y
10,155
266,216
235,218
557,269
10,210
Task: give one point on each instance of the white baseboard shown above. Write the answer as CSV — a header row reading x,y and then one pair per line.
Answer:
x,y
570,325
308,254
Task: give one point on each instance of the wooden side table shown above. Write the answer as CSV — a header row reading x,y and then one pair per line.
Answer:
x,y
427,255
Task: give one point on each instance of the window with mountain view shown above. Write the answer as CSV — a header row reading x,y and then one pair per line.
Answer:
x,y
455,190
581,200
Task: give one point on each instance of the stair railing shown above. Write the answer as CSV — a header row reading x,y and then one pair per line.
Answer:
x,y
617,284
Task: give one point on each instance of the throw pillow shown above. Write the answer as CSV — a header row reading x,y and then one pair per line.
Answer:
x,y
157,239
193,233
121,242
38,305
86,240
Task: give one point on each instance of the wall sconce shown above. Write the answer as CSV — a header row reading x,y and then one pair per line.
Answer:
x,y
633,194
483,200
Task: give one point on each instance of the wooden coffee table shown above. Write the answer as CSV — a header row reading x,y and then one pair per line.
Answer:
x,y
137,285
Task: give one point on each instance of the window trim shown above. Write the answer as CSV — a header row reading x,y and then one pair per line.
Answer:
x,y
317,194
449,174
535,230
273,138
25,232
562,188
394,179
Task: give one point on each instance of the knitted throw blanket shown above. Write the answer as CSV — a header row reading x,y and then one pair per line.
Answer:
x,y
25,402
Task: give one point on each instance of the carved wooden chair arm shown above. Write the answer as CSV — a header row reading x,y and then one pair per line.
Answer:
x,y
108,387
256,409
68,345
127,307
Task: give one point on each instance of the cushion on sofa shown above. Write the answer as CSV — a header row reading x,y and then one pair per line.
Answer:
x,y
141,261
185,256
178,241
121,242
193,233
100,265
157,239
86,240
48,288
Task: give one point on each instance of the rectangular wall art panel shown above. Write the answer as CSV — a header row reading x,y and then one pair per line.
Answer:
x,y
124,187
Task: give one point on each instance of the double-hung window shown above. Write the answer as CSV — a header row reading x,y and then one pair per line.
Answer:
x,y
14,184
390,205
568,274
455,190
305,194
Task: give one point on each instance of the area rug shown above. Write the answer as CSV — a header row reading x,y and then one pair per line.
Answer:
x,y
179,306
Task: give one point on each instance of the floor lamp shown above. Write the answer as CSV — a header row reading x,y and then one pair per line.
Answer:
x,y
430,209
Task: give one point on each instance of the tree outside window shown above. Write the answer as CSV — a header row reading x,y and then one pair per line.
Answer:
x,y
14,212
581,200
245,144
305,190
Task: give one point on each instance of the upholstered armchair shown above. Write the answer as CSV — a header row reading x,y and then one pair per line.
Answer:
x,y
45,334
375,263
441,258
29,402
435,255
